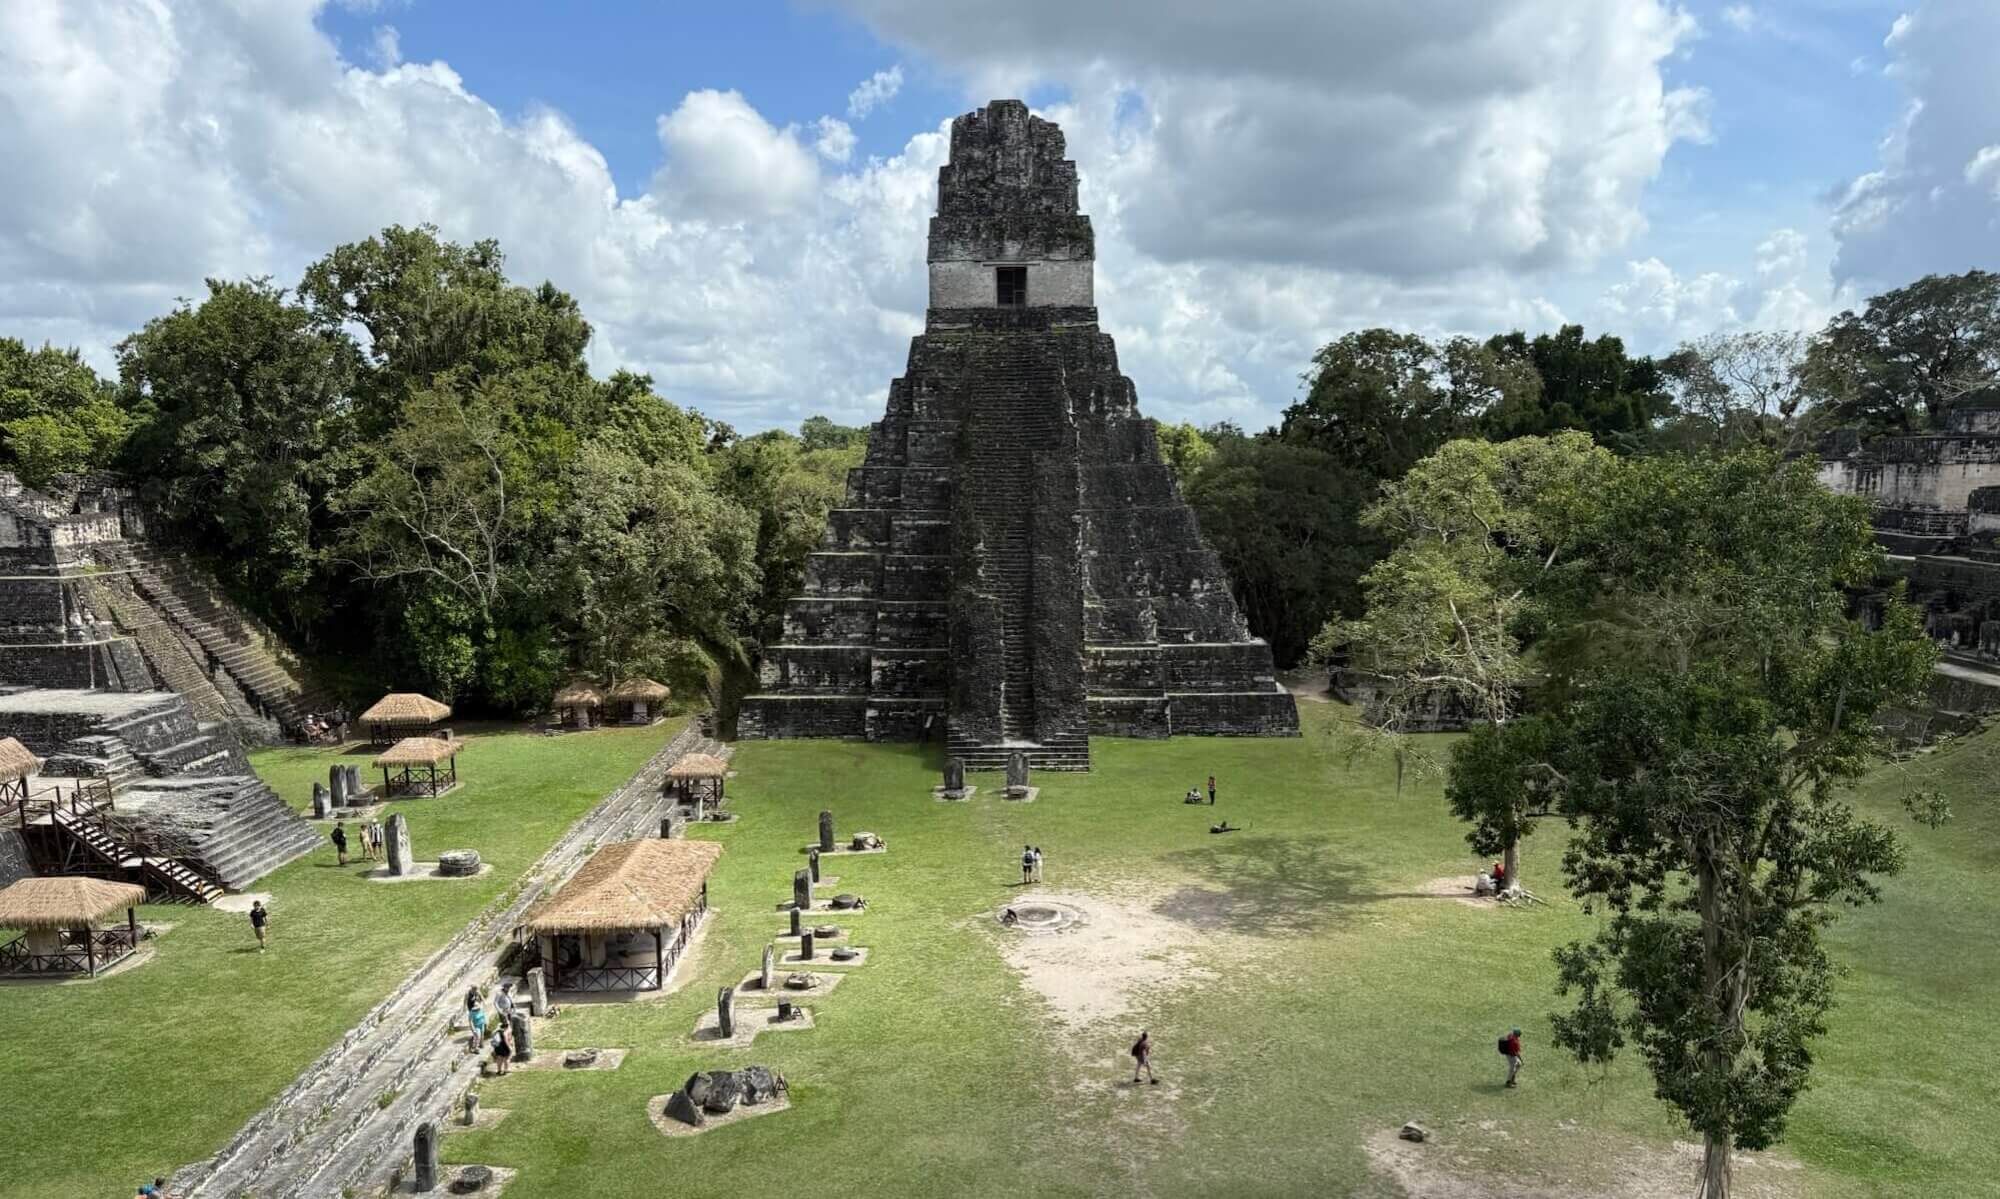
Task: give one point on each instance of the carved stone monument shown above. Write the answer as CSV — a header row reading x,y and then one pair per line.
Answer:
x,y
770,967
471,1108
725,1012
797,920
805,947
355,791
396,837
524,1036
458,863
1029,525
954,779
825,831
538,991
802,891
812,862
426,1174
1017,775
336,780
321,801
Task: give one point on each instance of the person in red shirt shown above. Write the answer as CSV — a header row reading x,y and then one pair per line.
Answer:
x,y
1511,1046
1499,877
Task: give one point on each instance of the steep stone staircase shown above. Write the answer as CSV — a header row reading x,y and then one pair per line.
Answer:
x,y
252,657
1011,415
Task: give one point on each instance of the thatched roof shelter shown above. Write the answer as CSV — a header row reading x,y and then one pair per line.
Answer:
x,y
67,903
632,885
640,689
419,751
698,766
579,694
406,707
16,760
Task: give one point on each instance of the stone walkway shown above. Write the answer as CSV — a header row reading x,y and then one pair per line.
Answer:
x,y
332,1128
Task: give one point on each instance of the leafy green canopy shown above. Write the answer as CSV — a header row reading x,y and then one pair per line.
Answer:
x,y
56,415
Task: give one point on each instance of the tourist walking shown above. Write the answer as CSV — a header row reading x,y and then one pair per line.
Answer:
x,y
1142,1058
1038,863
503,1050
1211,790
260,923
339,836
1510,1048
1027,864
475,1015
375,835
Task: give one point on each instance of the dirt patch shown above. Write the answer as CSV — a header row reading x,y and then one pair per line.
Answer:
x,y
1096,970
1453,1165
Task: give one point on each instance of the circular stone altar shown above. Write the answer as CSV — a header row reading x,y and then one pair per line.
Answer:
x,y
1039,916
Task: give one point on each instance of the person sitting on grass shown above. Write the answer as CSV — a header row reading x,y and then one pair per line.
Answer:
x,y
1225,827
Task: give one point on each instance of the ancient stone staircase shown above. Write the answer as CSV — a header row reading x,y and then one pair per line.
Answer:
x,y
170,660
247,651
250,830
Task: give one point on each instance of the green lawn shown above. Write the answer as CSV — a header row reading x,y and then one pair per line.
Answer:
x,y
110,1082
1343,1002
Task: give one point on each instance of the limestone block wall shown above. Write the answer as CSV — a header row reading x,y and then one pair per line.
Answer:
x,y
974,284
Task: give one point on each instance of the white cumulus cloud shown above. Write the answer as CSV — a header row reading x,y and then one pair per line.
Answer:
x,y
875,91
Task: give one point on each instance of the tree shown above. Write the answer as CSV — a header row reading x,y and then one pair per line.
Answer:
x,y
1285,520
56,415
1378,400
1703,762
1897,365
789,490
429,306
1733,390
1591,386
243,403
1183,448
820,433
1486,551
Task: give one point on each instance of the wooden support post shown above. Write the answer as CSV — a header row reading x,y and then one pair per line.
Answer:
x,y
90,949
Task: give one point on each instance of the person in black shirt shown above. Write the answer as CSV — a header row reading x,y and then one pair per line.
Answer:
x,y
340,840
260,919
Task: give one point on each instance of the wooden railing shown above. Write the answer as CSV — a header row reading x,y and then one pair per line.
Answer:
x,y
106,945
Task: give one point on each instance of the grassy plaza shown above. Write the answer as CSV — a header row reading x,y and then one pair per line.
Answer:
x,y
1310,982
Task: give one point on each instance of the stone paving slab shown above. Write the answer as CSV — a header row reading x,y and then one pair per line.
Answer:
x,y
552,1059
484,1118
819,959
448,1174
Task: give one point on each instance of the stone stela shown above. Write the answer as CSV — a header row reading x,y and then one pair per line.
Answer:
x,y
396,838
1013,560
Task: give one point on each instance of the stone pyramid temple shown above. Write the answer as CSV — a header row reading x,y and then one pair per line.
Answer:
x,y
1014,568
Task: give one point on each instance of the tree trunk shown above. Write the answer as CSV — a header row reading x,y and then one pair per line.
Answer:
x,y
1715,1168
1510,858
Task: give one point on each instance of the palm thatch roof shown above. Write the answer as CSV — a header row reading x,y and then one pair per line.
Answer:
x,y
38,903
419,751
16,760
640,689
579,695
406,707
698,766
628,886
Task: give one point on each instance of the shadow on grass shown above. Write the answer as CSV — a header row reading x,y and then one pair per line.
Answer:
x,y
1265,886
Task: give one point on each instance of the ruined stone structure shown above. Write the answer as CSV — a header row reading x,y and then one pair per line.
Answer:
x,y
111,672
1937,516
1014,566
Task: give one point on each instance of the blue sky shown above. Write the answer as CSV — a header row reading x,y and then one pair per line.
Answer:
x,y
742,221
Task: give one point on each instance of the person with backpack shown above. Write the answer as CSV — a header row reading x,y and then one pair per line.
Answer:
x,y
339,838
1211,790
1027,864
1142,1058
1510,1048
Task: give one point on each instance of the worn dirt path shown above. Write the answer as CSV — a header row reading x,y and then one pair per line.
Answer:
x,y
330,1129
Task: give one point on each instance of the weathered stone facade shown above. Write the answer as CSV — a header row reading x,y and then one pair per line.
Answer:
x,y
1014,566
1937,514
